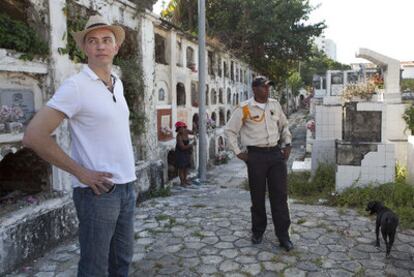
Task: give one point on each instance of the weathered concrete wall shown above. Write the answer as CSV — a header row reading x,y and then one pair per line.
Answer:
x,y
349,153
328,122
323,152
363,164
361,126
29,232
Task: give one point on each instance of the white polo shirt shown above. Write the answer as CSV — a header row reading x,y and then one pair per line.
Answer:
x,y
99,127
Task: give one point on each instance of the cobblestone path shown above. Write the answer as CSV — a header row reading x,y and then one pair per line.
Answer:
x,y
205,231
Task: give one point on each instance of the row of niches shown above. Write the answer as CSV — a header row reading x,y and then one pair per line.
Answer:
x,y
216,65
213,97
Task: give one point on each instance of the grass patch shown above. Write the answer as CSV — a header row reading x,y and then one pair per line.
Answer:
x,y
162,192
318,262
171,220
301,221
302,187
397,196
155,232
360,272
162,217
198,234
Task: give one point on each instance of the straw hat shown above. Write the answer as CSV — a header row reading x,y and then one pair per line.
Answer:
x,y
97,22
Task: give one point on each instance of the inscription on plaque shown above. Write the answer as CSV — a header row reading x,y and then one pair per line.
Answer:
x,y
22,99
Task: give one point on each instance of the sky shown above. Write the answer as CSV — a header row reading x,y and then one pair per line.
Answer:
x,y
384,26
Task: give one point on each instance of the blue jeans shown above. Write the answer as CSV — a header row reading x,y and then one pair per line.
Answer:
x,y
106,230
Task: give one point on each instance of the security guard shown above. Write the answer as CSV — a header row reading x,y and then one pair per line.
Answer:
x,y
263,128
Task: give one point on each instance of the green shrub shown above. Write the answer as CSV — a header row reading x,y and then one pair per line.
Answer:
x,y
400,173
320,186
396,196
408,116
17,35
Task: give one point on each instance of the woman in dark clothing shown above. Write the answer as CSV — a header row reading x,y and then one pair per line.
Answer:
x,y
183,150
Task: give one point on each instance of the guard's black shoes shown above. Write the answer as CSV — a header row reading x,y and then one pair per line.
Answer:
x,y
286,244
256,239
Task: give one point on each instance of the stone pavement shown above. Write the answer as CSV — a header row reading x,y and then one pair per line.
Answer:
x,y
205,231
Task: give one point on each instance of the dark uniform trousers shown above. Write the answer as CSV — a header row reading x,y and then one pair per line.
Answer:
x,y
266,166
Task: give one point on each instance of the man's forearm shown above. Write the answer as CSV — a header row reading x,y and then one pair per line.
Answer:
x,y
232,139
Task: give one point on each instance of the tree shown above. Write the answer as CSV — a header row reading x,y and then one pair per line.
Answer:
x,y
318,63
271,35
407,84
295,82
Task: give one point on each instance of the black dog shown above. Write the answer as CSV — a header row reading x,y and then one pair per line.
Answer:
x,y
387,220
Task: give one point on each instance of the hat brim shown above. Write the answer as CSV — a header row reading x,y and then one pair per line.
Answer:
x,y
266,83
118,31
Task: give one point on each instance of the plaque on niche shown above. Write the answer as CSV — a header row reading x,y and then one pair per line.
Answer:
x,y
19,104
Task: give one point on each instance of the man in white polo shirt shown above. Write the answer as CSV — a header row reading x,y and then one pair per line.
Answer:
x,y
102,161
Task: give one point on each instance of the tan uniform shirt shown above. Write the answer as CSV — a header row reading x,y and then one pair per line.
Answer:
x,y
256,132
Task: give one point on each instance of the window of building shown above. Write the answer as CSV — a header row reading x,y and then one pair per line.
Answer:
x,y
211,63
221,97
219,65
232,71
207,96
213,97
161,95
194,94
190,58
180,94
179,54
160,56
222,119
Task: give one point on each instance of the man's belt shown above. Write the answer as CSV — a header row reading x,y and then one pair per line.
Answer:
x,y
263,149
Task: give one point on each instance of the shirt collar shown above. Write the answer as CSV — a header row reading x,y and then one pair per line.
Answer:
x,y
88,71
260,105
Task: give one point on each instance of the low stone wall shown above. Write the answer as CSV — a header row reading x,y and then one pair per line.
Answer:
x,y
29,232
410,160
150,177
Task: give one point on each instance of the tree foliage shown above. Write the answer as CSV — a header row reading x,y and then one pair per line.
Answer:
x,y
318,63
295,82
407,84
271,35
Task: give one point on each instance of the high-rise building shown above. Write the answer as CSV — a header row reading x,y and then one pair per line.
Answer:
x,y
328,46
